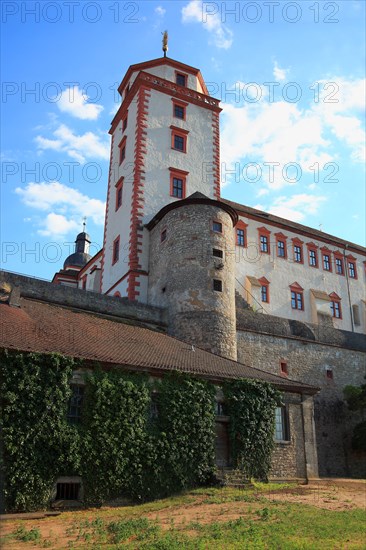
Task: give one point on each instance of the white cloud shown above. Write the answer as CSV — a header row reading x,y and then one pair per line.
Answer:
x,y
194,12
281,132
160,10
279,74
296,207
68,206
74,102
79,147
57,226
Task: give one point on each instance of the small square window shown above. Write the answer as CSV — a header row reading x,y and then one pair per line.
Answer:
x,y
217,227
217,253
217,285
181,79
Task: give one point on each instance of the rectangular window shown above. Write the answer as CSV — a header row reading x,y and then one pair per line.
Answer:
x,y
177,188
124,124
298,253
352,270
217,253
179,111
83,285
281,249
178,180
179,142
115,256
264,243
264,293
217,227
163,235
181,79
339,266
283,368
281,424
75,404
119,187
240,237
326,262
122,150
336,309
329,374
217,285
297,300
312,258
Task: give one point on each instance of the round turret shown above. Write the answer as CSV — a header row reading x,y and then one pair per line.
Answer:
x,y
191,272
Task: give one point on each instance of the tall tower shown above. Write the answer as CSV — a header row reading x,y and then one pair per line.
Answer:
x,y
165,146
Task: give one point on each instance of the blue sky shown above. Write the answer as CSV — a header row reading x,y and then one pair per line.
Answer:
x,y
290,76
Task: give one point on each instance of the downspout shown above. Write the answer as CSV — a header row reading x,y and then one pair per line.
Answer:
x,y
348,290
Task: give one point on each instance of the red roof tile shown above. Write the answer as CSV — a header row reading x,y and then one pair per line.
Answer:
x,y
43,327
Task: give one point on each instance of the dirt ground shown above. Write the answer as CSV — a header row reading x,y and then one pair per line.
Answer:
x,y
340,494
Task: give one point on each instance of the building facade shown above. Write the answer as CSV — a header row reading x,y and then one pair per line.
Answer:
x,y
233,280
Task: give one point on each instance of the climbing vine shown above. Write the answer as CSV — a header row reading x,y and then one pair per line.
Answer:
x,y
251,406
37,443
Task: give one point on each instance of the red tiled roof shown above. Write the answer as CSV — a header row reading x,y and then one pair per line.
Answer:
x,y
43,327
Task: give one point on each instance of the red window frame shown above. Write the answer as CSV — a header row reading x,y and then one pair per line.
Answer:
x,y
326,252
178,76
313,248
339,263
281,238
115,250
242,228
351,260
119,191
182,105
122,149
297,297
181,175
335,306
182,134
298,251
264,233
264,289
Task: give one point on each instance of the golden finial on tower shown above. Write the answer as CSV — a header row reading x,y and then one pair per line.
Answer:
x,y
165,42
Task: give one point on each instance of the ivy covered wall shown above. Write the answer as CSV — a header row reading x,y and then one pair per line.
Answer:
x,y
137,437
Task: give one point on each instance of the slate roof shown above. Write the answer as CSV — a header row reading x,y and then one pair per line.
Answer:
x,y
44,327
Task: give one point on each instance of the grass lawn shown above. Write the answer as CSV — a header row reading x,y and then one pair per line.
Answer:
x,y
214,518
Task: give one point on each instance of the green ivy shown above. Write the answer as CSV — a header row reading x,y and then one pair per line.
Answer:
x,y
251,406
37,443
120,448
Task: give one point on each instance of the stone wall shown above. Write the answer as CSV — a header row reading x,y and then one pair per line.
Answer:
x,y
314,359
288,458
153,317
